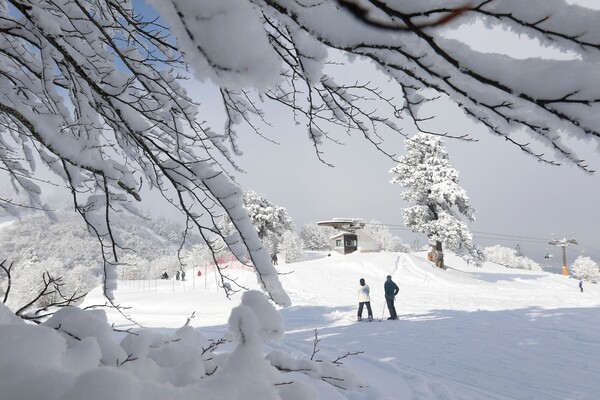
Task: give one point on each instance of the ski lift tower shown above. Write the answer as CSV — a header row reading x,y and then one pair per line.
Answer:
x,y
564,243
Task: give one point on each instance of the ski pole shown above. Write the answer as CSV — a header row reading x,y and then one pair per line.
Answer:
x,y
383,310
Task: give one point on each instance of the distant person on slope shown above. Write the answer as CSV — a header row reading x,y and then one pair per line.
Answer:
x,y
364,300
581,286
391,290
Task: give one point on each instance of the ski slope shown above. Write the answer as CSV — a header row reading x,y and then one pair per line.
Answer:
x,y
463,333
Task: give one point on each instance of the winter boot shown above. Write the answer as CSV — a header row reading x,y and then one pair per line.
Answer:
x,y
370,318
359,318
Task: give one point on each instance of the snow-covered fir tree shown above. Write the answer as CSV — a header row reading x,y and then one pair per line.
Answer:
x,y
431,187
291,247
269,220
316,237
585,269
509,258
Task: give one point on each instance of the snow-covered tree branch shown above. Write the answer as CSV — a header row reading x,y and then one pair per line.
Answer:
x,y
90,89
93,91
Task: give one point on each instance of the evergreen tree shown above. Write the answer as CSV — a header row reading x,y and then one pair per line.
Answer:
x,y
316,237
291,247
266,217
585,269
269,220
431,186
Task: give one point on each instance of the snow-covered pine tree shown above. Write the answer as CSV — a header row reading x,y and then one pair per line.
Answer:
x,y
316,237
269,220
431,186
291,247
266,217
585,269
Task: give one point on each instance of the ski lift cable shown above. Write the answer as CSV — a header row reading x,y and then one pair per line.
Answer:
x,y
508,239
512,236
589,247
489,235
516,237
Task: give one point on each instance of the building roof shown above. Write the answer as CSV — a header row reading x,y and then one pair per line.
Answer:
x,y
344,224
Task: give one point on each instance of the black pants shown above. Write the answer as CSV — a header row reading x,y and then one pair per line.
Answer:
x,y
391,307
360,308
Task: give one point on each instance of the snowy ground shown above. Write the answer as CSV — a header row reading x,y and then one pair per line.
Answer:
x,y
464,333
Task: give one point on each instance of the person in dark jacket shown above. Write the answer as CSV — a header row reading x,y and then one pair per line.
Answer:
x,y
364,300
581,286
391,290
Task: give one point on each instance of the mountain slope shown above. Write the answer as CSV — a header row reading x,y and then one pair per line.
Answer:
x,y
464,333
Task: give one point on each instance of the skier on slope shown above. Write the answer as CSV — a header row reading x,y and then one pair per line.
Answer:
x,y
391,290
364,300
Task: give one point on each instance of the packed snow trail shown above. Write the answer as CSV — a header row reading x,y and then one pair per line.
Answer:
x,y
464,333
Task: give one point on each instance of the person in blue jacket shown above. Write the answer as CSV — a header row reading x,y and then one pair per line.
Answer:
x,y
391,290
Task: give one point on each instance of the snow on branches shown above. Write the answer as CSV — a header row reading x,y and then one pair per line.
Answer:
x,y
92,91
76,353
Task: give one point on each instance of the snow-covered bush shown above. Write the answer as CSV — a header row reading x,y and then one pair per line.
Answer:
x,y
75,354
29,276
585,269
509,258
291,247
383,237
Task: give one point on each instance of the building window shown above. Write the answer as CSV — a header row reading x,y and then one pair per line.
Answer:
x,y
338,243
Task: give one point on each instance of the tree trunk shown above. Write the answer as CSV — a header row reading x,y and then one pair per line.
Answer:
x,y
440,255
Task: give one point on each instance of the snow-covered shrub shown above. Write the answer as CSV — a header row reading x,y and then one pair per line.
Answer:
x,y
383,237
76,354
585,269
509,258
27,281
